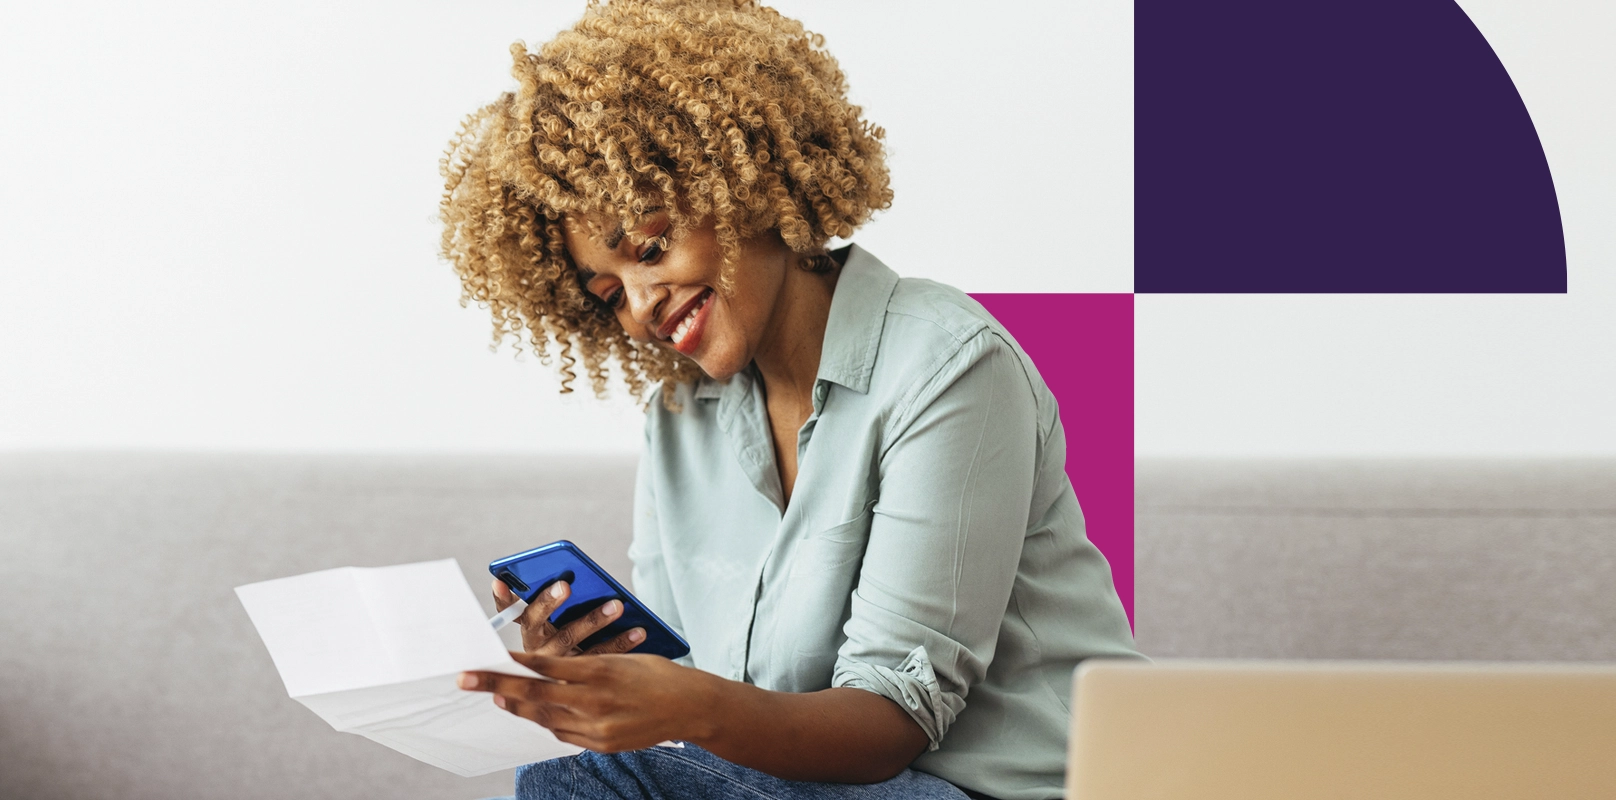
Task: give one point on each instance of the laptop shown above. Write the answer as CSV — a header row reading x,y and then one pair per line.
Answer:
x,y
1254,730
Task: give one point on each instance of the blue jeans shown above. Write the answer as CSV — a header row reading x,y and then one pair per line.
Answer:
x,y
670,773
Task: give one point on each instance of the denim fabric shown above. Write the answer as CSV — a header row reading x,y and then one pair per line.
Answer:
x,y
669,773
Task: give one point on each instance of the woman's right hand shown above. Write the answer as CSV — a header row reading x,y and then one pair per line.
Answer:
x,y
539,636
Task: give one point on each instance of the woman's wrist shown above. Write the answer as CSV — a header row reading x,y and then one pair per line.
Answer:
x,y
836,735
710,701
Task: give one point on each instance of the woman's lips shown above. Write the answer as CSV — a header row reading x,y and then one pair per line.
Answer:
x,y
672,323
692,338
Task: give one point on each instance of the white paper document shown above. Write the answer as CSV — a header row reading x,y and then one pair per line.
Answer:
x,y
376,651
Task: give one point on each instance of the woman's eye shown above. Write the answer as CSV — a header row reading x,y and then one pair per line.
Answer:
x,y
615,299
652,250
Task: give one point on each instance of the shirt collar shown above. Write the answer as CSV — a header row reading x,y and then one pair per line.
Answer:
x,y
709,389
858,310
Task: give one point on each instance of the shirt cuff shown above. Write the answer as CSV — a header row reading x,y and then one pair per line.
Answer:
x,y
913,686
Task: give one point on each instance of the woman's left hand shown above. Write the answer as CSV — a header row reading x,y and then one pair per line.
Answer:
x,y
608,703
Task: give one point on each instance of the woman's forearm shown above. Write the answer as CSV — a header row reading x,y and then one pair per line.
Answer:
x,y
836,735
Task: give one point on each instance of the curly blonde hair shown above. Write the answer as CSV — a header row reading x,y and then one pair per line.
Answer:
x,y
708,109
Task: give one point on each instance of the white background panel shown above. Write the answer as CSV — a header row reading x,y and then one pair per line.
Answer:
x,y
217,233
216,228
1422,374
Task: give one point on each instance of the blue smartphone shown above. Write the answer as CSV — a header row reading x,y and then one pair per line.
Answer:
x,y
528,573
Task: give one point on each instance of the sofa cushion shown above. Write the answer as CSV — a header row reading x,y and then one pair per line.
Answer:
x,y
1397,559
128,667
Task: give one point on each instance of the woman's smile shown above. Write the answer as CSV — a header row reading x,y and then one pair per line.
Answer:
x,y
660,282
684,328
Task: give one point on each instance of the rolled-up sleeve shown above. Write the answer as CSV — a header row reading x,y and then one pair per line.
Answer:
x,y
945,537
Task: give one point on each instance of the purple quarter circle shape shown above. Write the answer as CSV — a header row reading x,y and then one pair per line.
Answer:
x,y
1082,345
1365,146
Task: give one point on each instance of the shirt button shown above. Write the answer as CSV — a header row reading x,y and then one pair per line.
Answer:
x,y
819,392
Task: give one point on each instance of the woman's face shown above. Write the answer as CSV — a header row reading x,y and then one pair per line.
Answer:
x,y
669,296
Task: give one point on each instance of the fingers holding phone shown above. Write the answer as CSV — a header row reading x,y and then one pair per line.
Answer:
x,y
591,613
535,619
543,638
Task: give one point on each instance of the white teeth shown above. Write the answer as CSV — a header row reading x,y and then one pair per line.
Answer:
x,y
690,319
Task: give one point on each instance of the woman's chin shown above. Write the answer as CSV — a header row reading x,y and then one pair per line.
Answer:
x,y
719,374
718,367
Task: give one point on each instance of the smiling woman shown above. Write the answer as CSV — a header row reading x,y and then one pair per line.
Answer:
x,y
726,113
852,501
660,292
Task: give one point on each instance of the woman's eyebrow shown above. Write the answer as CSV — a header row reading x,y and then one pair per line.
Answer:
x,y
616,237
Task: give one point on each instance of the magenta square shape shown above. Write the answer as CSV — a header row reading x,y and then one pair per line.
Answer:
x,y
1082,344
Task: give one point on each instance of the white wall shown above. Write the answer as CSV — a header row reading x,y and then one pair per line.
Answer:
x,y
216,222
216,232
1422,375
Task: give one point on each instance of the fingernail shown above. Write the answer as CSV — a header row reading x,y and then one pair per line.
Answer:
x,y
558,589
468,680
613,608
499,700
636,635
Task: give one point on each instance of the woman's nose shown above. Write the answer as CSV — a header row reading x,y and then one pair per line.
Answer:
x,y
643,301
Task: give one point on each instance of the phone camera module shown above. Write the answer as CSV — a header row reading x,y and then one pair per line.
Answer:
x,y
514,582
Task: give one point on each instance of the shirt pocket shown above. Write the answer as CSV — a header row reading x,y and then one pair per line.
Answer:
x,y
820,593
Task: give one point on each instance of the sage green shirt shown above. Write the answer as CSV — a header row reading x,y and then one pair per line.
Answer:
x,y
933,551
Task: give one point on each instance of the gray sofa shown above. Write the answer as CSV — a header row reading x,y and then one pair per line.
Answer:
x,y
128,670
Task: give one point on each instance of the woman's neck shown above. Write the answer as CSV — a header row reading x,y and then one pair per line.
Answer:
x,y
788,359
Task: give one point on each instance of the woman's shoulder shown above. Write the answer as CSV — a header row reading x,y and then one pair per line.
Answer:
x,y
943,310
927,318
877,310
935,333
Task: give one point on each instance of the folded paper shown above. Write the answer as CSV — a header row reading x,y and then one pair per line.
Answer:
x,y
376,651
